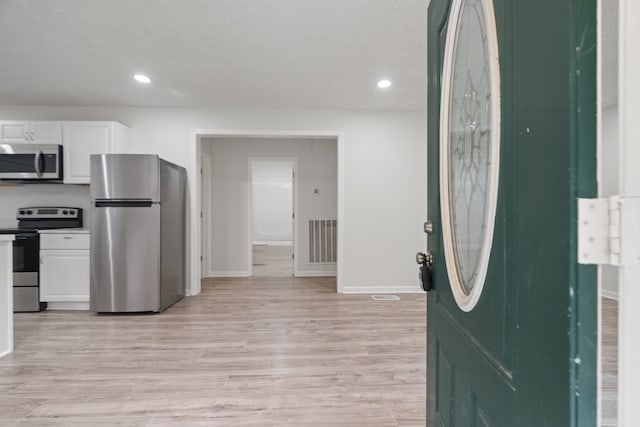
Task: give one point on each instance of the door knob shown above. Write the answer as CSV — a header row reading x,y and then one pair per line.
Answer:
x,y
428,227
425,271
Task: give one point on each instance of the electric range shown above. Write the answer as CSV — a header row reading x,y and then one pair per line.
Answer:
x,y
26,250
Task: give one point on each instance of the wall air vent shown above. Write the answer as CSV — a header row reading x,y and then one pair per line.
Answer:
x,y
323,241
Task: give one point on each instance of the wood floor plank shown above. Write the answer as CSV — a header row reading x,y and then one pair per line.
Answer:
x,y
609,343
255,351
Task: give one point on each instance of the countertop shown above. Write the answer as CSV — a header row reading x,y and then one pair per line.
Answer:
x,y
6,237
65,231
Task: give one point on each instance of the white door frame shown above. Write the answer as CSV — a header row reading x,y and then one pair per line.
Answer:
x,y
294,204
195,163
629,276
205,194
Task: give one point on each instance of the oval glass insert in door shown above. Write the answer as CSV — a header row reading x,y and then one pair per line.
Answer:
x,y
470,146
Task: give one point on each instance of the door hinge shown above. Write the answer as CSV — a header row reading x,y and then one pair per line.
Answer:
x,y
293,256
609,231
293,215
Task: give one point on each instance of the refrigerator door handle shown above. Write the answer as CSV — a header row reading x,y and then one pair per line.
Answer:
x,y
124,203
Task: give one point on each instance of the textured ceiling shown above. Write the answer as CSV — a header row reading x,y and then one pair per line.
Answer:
x,y
228,53
214,53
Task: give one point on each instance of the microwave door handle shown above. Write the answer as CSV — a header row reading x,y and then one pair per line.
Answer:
x,y
41,163
37,163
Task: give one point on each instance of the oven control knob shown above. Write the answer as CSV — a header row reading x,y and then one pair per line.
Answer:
x,y
65,212
72,212
21,212
29,212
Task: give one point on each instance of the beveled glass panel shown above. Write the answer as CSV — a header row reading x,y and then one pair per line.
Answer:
x,y
470,140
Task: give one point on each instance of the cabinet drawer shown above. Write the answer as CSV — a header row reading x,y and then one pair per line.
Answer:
x,y
64,241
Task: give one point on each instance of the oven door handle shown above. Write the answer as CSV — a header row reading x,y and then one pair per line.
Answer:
x,y
38,162
25,236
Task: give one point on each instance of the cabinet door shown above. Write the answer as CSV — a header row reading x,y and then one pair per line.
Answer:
x,y
36,132
11,132
81,140
45,132
64,276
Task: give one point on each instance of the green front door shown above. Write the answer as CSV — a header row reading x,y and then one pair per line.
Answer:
x,y
511,318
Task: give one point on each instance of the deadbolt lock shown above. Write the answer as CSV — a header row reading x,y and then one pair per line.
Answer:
x,y
425,259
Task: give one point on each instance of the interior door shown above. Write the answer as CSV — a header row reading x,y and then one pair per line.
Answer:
x,y
511,318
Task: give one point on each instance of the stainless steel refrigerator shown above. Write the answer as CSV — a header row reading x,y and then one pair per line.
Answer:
x,y
138,215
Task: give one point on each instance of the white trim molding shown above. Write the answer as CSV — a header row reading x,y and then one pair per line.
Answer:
x,y
610,294
384,290
316,274
629,178
67,305
230,274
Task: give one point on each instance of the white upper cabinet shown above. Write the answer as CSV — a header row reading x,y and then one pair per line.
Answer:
x,y
14,131
31,132
82,139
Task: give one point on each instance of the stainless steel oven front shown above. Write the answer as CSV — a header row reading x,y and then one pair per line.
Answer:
x,y
31,162
26,270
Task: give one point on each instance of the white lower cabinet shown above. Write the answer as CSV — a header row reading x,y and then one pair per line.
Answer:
x,y
64,270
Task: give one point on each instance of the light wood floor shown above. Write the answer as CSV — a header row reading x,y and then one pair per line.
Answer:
x,y
273,267
609,342
256,351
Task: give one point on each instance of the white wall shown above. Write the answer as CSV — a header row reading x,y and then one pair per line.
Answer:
x,y
14,196
272,201
384,180
230,192
608,185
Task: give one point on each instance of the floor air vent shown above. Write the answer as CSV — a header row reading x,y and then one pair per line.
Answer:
x,y
385,297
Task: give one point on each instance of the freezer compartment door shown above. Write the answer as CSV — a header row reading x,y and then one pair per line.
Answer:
x,y
125,258
125,176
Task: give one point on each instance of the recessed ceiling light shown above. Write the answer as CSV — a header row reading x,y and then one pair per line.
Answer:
x,y
384,84
141,78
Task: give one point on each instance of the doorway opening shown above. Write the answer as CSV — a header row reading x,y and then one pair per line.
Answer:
x,y
272,216
233,240
608,185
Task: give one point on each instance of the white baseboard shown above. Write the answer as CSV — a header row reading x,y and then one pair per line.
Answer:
x,y
273,243
406,289
4,353
315,274
229,274
610,294
68,306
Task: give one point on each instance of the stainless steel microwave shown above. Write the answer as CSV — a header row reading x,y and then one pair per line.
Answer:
x,y
30,162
